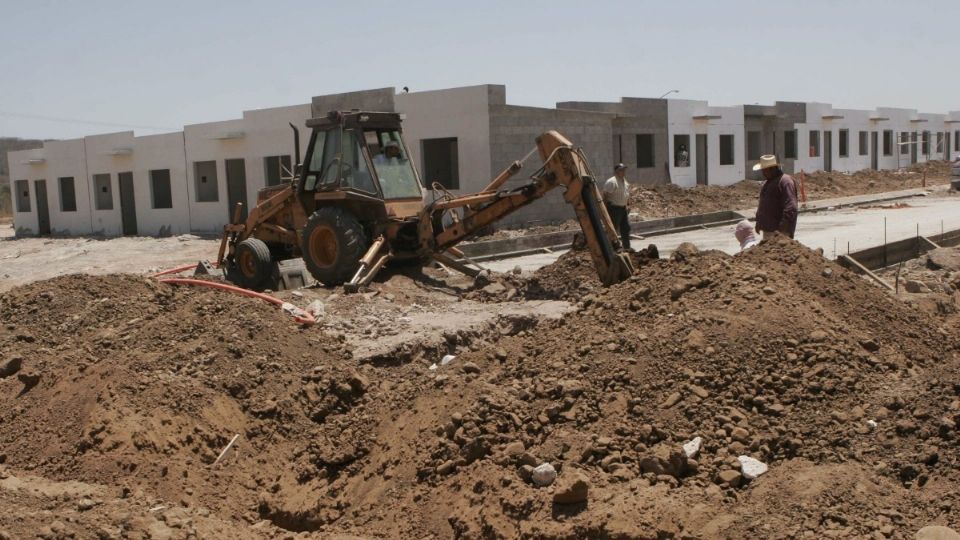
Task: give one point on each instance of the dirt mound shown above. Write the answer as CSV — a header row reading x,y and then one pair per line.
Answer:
x,y
134,388
849,397
670,200
573,275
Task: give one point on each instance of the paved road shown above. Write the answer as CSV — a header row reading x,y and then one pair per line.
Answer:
x,y
861,227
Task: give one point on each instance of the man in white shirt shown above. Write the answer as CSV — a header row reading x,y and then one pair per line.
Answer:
x,y
616,195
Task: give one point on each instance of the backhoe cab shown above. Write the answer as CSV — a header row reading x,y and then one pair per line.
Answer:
x,y
356,203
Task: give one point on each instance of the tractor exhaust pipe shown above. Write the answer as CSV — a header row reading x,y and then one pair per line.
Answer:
x,y
296,146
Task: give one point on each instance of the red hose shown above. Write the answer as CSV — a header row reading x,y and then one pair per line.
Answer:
x,y
176,270
306,318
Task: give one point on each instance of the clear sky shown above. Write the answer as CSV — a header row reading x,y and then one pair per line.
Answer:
x,y
163,64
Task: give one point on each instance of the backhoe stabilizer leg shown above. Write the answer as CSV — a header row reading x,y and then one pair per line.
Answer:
x,y
370,264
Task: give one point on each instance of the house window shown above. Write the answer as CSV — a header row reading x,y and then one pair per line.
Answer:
x,y
862,143
814,143
844,143
23,195
275,168
205,180
888,142
160,189
68,195
956,140
904,143
645,158
441,162
726,150
103,191
925,143
753,145
939,149
790,144
681,150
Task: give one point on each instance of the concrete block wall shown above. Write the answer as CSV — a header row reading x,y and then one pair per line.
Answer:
x,y
463,113
513,133
632,117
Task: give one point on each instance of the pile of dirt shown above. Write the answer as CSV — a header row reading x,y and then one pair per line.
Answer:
x,y
850,398
670,200
569,278
124,391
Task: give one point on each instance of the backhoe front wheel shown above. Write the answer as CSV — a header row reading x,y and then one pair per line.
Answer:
x,y
252,263
332,243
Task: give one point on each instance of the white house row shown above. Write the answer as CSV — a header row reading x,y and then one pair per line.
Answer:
x,y
188,181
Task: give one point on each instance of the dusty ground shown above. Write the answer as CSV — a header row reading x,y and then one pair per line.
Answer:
x,y
119,394
24,260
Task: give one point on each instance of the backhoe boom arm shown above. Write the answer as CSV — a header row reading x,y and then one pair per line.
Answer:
x,y
563,166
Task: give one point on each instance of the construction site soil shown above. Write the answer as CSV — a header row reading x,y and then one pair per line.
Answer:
x,y
120,393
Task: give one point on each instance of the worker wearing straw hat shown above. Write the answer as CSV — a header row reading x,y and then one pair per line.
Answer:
x,y
777,208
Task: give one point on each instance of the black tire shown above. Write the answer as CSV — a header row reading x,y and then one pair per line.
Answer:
x,y
252,263
332,243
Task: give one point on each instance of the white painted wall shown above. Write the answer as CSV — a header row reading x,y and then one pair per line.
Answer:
x,y
68,158
457,112
102,158
160,152
681,121
26,223
265,132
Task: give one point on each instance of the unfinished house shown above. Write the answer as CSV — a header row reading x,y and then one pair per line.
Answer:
x,y
713,139
771,129
228,162
459,139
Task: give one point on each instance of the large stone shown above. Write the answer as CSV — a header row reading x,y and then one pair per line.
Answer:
x,y
944,259
573,488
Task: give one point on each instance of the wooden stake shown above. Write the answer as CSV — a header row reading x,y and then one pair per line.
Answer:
x,y
229,445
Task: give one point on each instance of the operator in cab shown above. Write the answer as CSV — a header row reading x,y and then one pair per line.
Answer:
x,y
390,156
777,208
616,195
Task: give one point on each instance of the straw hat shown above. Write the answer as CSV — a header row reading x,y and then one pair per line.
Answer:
x,y
766,162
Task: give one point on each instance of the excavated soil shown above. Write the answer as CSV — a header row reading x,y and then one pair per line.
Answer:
x,y
119,394
670,200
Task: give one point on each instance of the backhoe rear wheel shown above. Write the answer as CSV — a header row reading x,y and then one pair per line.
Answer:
x,y
332,243
253,263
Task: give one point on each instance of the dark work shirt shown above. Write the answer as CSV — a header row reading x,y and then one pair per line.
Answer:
x,y
777,210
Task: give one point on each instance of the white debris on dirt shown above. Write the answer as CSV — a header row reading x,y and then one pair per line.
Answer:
x,y
447,359
543,475
692,448
751,468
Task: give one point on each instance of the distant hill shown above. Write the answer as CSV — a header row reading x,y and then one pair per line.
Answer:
x,y
8,144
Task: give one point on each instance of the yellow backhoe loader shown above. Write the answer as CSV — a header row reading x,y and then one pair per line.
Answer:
x,y
355,203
